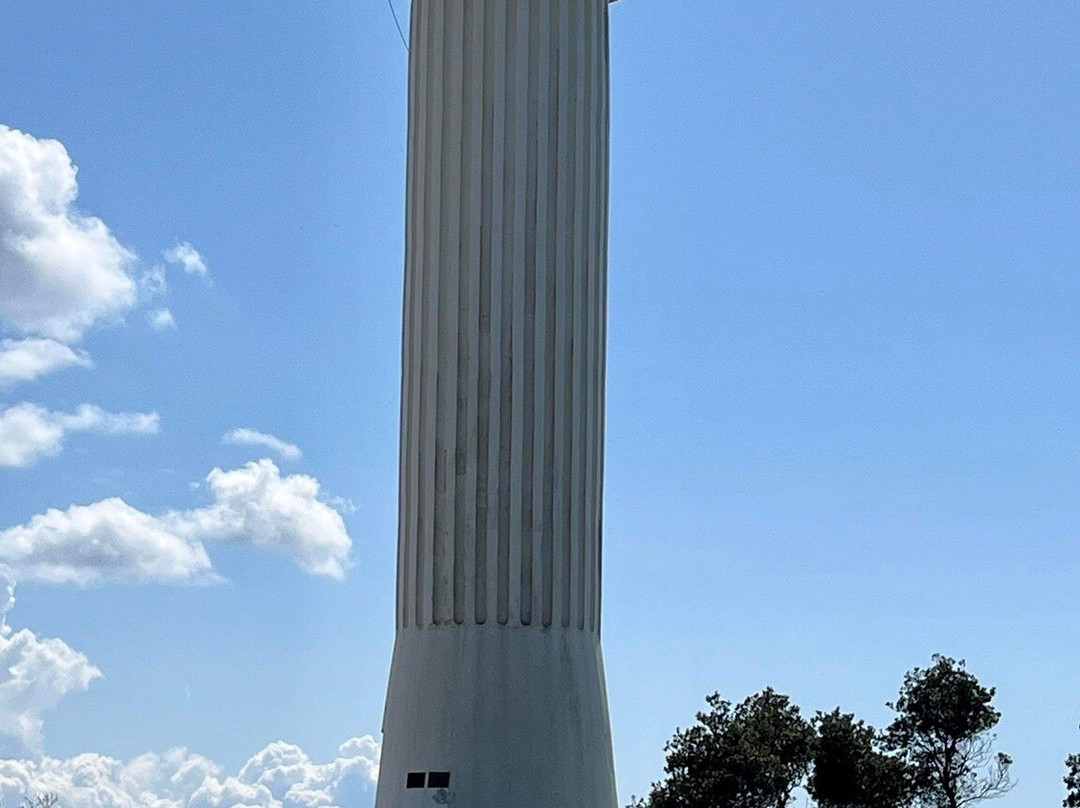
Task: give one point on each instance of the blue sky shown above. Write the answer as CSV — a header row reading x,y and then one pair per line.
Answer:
x,y
843,430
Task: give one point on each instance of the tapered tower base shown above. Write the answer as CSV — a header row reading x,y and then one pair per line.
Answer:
x,y
516,716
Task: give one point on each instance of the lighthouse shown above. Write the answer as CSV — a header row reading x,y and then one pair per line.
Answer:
x,y
497,696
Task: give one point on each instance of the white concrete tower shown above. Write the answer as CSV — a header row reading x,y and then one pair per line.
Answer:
x,y
497,696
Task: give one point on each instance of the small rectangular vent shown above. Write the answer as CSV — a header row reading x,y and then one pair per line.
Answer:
x,y
414,780
438,780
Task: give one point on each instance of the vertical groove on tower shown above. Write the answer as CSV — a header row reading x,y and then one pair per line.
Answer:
x,y
589,336
546,80
528,319
406,554
499,523
601,329
507,546
502,393
427,349
578,383
597,249
564,295
601,306
468,337
450,215
484,374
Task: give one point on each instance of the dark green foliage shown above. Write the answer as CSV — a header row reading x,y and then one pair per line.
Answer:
x,y
937,753
1072,782
851,771
943,731
752,755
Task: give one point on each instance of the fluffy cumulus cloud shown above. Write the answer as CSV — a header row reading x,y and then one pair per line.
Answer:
x,y
280,776
23,360
251,437
187,258
35,674
112,541
256,505
105,541
60,270
29,432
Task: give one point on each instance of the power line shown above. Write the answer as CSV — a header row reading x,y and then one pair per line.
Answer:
x,y
397,22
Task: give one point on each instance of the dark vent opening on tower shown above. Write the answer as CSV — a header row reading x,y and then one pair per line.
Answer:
x,y
414,780
438,780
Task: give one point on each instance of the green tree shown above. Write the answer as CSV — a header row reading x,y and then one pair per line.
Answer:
x,y
943,732
1072,782
752,755
850,770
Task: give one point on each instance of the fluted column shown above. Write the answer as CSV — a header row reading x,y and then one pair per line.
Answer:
x,y
506,275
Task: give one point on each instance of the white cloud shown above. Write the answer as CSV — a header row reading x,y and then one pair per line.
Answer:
x,y
28,359
187,258
60,270
256,505
105,541
35,674
89,417
29,432
251,437
112,541
161,320
280,776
